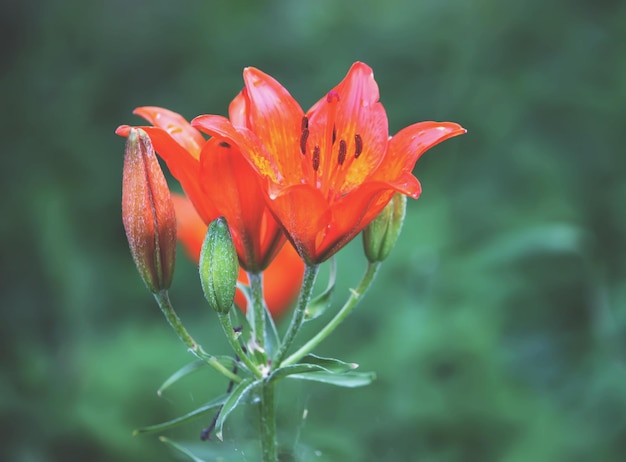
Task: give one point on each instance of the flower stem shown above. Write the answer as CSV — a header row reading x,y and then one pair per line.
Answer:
x,y
256,289
268,422
310,273
355,297
234,343
163,299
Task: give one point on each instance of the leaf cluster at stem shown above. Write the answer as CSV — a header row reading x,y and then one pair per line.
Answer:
x,y
260,356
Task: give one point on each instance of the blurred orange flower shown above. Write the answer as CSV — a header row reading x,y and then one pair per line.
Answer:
x,y
327,173
281,280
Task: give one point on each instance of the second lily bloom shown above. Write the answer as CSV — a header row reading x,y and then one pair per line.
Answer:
x,y
218,181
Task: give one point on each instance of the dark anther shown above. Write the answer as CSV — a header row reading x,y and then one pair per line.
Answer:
x,y
334,134
342,152
316,158
303,138
237,329
358,145
332,96
305,123
224,144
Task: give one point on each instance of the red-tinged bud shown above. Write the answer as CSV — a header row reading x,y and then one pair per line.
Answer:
x,y
380,236
148,213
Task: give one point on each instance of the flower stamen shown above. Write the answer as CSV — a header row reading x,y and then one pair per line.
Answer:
x,y
342,152
316,157
303,139
332,97
328,142
358,145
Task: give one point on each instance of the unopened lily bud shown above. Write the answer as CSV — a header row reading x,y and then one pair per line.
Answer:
x,y
381,235
219,266
148,213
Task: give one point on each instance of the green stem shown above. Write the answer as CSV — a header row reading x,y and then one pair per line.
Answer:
x,y
268,422
355,297
163,299
234,343
310,273
256,289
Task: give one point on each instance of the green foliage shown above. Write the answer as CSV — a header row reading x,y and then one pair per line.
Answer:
x,y
213,406
321,302
496,326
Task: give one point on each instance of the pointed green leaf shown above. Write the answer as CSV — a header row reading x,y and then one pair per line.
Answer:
x,y
319,304
210,406
180,373
312,363
285,371
348,379
245,290
237,396
329,364
187,369
272,341
180,448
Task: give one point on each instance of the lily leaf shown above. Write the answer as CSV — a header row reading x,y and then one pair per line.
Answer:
x,y
272,341
235,398
180,448
189,368
320,303
210,406
180,373
347,379
330,364
295,369
245,290
311,364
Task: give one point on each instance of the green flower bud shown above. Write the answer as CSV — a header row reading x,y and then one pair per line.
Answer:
x,y
381,235
148,213
219,266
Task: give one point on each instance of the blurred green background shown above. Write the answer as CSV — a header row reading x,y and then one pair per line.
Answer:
x,y
498,326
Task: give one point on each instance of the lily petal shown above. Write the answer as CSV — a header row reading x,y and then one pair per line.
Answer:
x,y
237,195
351,214
191,229
350,111
238,110
408,145
303,213
276,118
175,125
244,139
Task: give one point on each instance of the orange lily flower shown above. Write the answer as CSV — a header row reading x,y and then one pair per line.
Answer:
x,y
327,173
218,181
281,280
